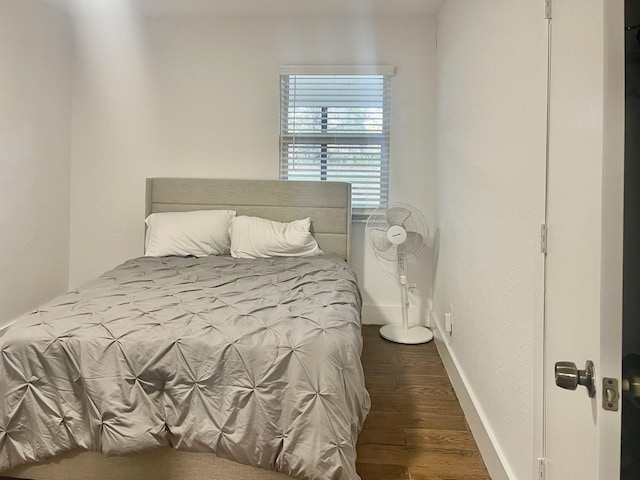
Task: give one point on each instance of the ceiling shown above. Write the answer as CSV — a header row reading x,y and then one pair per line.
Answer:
x,y
252,8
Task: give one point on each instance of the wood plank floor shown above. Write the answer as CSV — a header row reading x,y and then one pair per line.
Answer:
x,y
416,429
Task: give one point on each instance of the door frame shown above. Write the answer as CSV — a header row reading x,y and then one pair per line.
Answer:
x,y
612,225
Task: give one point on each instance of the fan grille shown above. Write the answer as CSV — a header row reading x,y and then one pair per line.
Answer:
x,y
400,214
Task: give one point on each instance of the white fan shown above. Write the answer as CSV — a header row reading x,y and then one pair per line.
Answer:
x,y
395,233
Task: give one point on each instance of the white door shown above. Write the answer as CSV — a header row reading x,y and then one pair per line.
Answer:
x,y
583,299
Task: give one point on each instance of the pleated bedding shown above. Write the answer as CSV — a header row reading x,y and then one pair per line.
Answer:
x,y
257,361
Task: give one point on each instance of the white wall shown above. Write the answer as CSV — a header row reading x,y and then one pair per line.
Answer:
x,y
35,105
189,96
491,157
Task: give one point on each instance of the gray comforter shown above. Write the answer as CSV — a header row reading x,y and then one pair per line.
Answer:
x,y
255,360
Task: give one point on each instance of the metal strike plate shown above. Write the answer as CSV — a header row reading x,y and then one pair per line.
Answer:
x,y
610,394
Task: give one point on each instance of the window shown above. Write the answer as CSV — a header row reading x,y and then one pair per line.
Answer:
x,y
335,127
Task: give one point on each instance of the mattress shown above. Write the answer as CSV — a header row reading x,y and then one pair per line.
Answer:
x,y
255,360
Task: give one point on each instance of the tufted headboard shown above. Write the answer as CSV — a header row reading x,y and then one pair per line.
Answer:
x,y
327,203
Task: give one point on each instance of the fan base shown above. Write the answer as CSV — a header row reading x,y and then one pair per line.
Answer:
x,y
413,335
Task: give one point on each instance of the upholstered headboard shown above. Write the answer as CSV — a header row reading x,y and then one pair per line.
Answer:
x,y
327,203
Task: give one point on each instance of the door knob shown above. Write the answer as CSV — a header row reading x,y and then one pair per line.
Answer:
x,y
631,383
568,376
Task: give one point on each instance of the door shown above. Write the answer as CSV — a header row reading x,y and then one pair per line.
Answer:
x,y
583,271
630,443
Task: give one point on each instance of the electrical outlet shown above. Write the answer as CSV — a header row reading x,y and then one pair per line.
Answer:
x,y
448,325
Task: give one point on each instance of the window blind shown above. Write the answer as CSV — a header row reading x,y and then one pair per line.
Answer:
x,y
335,127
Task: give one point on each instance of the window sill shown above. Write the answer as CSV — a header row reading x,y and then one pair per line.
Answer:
x,y
359,217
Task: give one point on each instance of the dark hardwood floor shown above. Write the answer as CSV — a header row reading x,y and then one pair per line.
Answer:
x,y
416,429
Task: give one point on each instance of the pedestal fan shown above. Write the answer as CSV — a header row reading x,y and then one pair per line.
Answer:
x,y
396,233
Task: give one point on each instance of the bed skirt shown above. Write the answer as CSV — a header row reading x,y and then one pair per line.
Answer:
x,y
157,464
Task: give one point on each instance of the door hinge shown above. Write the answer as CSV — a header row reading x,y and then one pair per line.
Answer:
x,y
543,238
542,467
547,9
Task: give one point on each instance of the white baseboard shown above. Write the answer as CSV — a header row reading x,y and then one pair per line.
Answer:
x,y
491,453
383,314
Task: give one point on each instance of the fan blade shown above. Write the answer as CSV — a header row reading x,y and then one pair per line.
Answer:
x,y
397,215
379,240
414,242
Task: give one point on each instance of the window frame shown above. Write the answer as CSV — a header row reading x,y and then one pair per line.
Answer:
x,y
325,140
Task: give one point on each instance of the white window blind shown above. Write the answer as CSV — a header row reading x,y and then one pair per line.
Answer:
x,y
335,127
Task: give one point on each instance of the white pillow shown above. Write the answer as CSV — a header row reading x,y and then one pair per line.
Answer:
x,y
254,237
198,233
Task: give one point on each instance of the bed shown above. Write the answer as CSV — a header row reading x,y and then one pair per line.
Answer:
x,y
281,390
